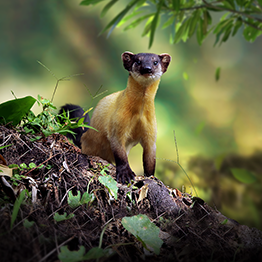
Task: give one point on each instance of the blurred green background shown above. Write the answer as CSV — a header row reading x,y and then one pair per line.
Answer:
x,y
217,123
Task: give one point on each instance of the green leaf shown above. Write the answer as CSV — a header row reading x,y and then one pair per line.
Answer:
x,y
128,17
110,184
86,198
182,32
154,23
13,111
17,205
176,4
193,22
74,201
238,24
96,253
71,256
169,22
90,2
114,22
148,26
59,218
217,76
251,33
137,22
145,231
243,175
28,224
107,7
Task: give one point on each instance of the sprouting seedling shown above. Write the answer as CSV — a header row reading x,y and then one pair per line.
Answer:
x,y
65,78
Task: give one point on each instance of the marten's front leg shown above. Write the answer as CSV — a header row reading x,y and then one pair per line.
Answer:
x,y
123,171
149,157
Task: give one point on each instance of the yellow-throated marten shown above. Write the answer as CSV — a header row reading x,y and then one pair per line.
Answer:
x,y
126,118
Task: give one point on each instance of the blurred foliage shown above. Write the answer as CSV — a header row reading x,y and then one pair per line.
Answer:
x,y
185,18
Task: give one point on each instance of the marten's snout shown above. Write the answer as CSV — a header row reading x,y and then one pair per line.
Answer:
x,y
146,70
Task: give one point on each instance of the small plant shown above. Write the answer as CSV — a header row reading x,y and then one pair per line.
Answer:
x,y
59,218
145,231
76,201
16,208
108,182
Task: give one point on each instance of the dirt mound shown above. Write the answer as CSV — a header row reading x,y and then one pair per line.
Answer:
x,y
190,229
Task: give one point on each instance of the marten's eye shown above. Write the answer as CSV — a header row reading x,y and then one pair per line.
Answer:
x,y
138,62
155,62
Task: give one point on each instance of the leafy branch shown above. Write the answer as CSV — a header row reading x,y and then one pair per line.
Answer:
x,y
186,18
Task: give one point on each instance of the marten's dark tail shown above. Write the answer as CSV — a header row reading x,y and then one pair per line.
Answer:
x,y
75,112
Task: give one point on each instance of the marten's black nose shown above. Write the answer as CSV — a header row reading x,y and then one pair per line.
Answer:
x,y
146,70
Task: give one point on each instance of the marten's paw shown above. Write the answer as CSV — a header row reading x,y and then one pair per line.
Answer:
x,y
124,174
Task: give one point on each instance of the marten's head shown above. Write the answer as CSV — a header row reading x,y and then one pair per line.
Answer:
x,y
146,67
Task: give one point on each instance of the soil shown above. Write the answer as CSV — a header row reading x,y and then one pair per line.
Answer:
x,y
190,229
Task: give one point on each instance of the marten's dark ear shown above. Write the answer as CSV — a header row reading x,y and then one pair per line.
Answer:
x,y
165,60
127,58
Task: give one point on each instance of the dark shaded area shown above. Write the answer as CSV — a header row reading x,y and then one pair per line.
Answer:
x,y
190,229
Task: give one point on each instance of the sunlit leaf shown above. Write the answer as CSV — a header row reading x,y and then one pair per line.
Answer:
x,y
243,175
13,111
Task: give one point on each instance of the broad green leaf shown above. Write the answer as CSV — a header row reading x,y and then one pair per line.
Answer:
x,y
217,75
110,184
243,175
145,231
74,201
90,2
107,7
59,218
17,205
71,256
13,111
